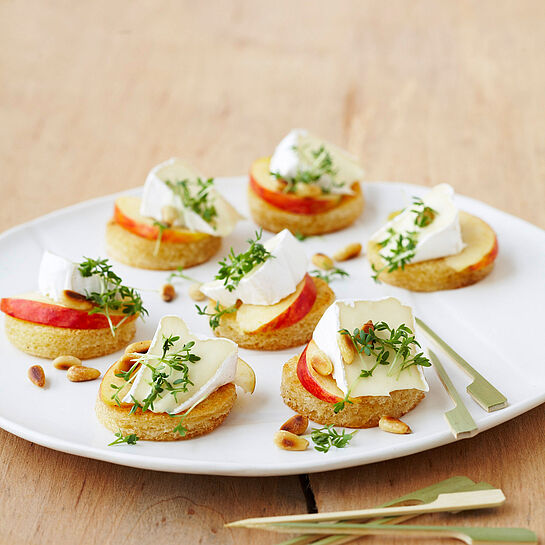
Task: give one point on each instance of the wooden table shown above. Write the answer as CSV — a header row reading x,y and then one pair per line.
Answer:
x,y
95,93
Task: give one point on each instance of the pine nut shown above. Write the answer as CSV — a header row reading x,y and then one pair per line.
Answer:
x,y
308,190
195,292
318,360
36,375
75,300
168,292
140,347
297,424
393,425
65,362
277,185
169,215
289,441
346,346
322,261
348,252
80,373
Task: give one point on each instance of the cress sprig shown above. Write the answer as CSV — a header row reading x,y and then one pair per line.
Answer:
x,y
400,342
327,437
216,313
130,439
179,274
424,214
113,295
330,275
161,226
200,202
235,266
403,245
161,368
320,164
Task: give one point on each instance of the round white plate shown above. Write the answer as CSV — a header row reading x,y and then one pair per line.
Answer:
x,y
496,325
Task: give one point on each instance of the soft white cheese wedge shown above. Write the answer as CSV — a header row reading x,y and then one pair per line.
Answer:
x,y
440,238
351,314
294,154
217,366
268,282
58,274
157,195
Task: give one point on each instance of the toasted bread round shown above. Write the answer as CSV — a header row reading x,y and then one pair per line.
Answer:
x,y
275,219
140,252
278,339
48,341
364,412
472,264
150,426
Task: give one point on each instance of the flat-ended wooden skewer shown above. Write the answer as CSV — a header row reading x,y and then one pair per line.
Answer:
x,y
467,534
457,501
488,397
460,421
423,495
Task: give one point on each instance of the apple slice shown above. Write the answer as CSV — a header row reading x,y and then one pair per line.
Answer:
x,y
35,308
322,387
127,215
263,185
481,245
291,309
245,377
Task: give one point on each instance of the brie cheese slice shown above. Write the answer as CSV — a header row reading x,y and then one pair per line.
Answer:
x,y
58,274
268,282
216,367
296,152
351,314
157,195
442,237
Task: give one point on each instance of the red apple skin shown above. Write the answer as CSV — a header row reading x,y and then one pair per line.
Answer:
x,y
151,232
287,201
488,258
297,310
55,315
314,383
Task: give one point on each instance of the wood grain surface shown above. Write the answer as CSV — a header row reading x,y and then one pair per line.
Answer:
x,y
93,94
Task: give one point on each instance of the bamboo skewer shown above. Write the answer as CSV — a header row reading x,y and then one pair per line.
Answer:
x,y
488,397
469,535
424,495
457,501
460,420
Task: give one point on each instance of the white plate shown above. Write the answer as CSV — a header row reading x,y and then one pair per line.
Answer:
x,y
495,324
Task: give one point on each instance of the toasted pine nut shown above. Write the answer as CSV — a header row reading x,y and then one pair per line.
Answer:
x,y
297,424
75,300
140,347
318,360
289,441
348,252
195,292
168,292
367,326
346,346
322,261
80,373
393,425
169,215
36,375
65,362
277,185
308,190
